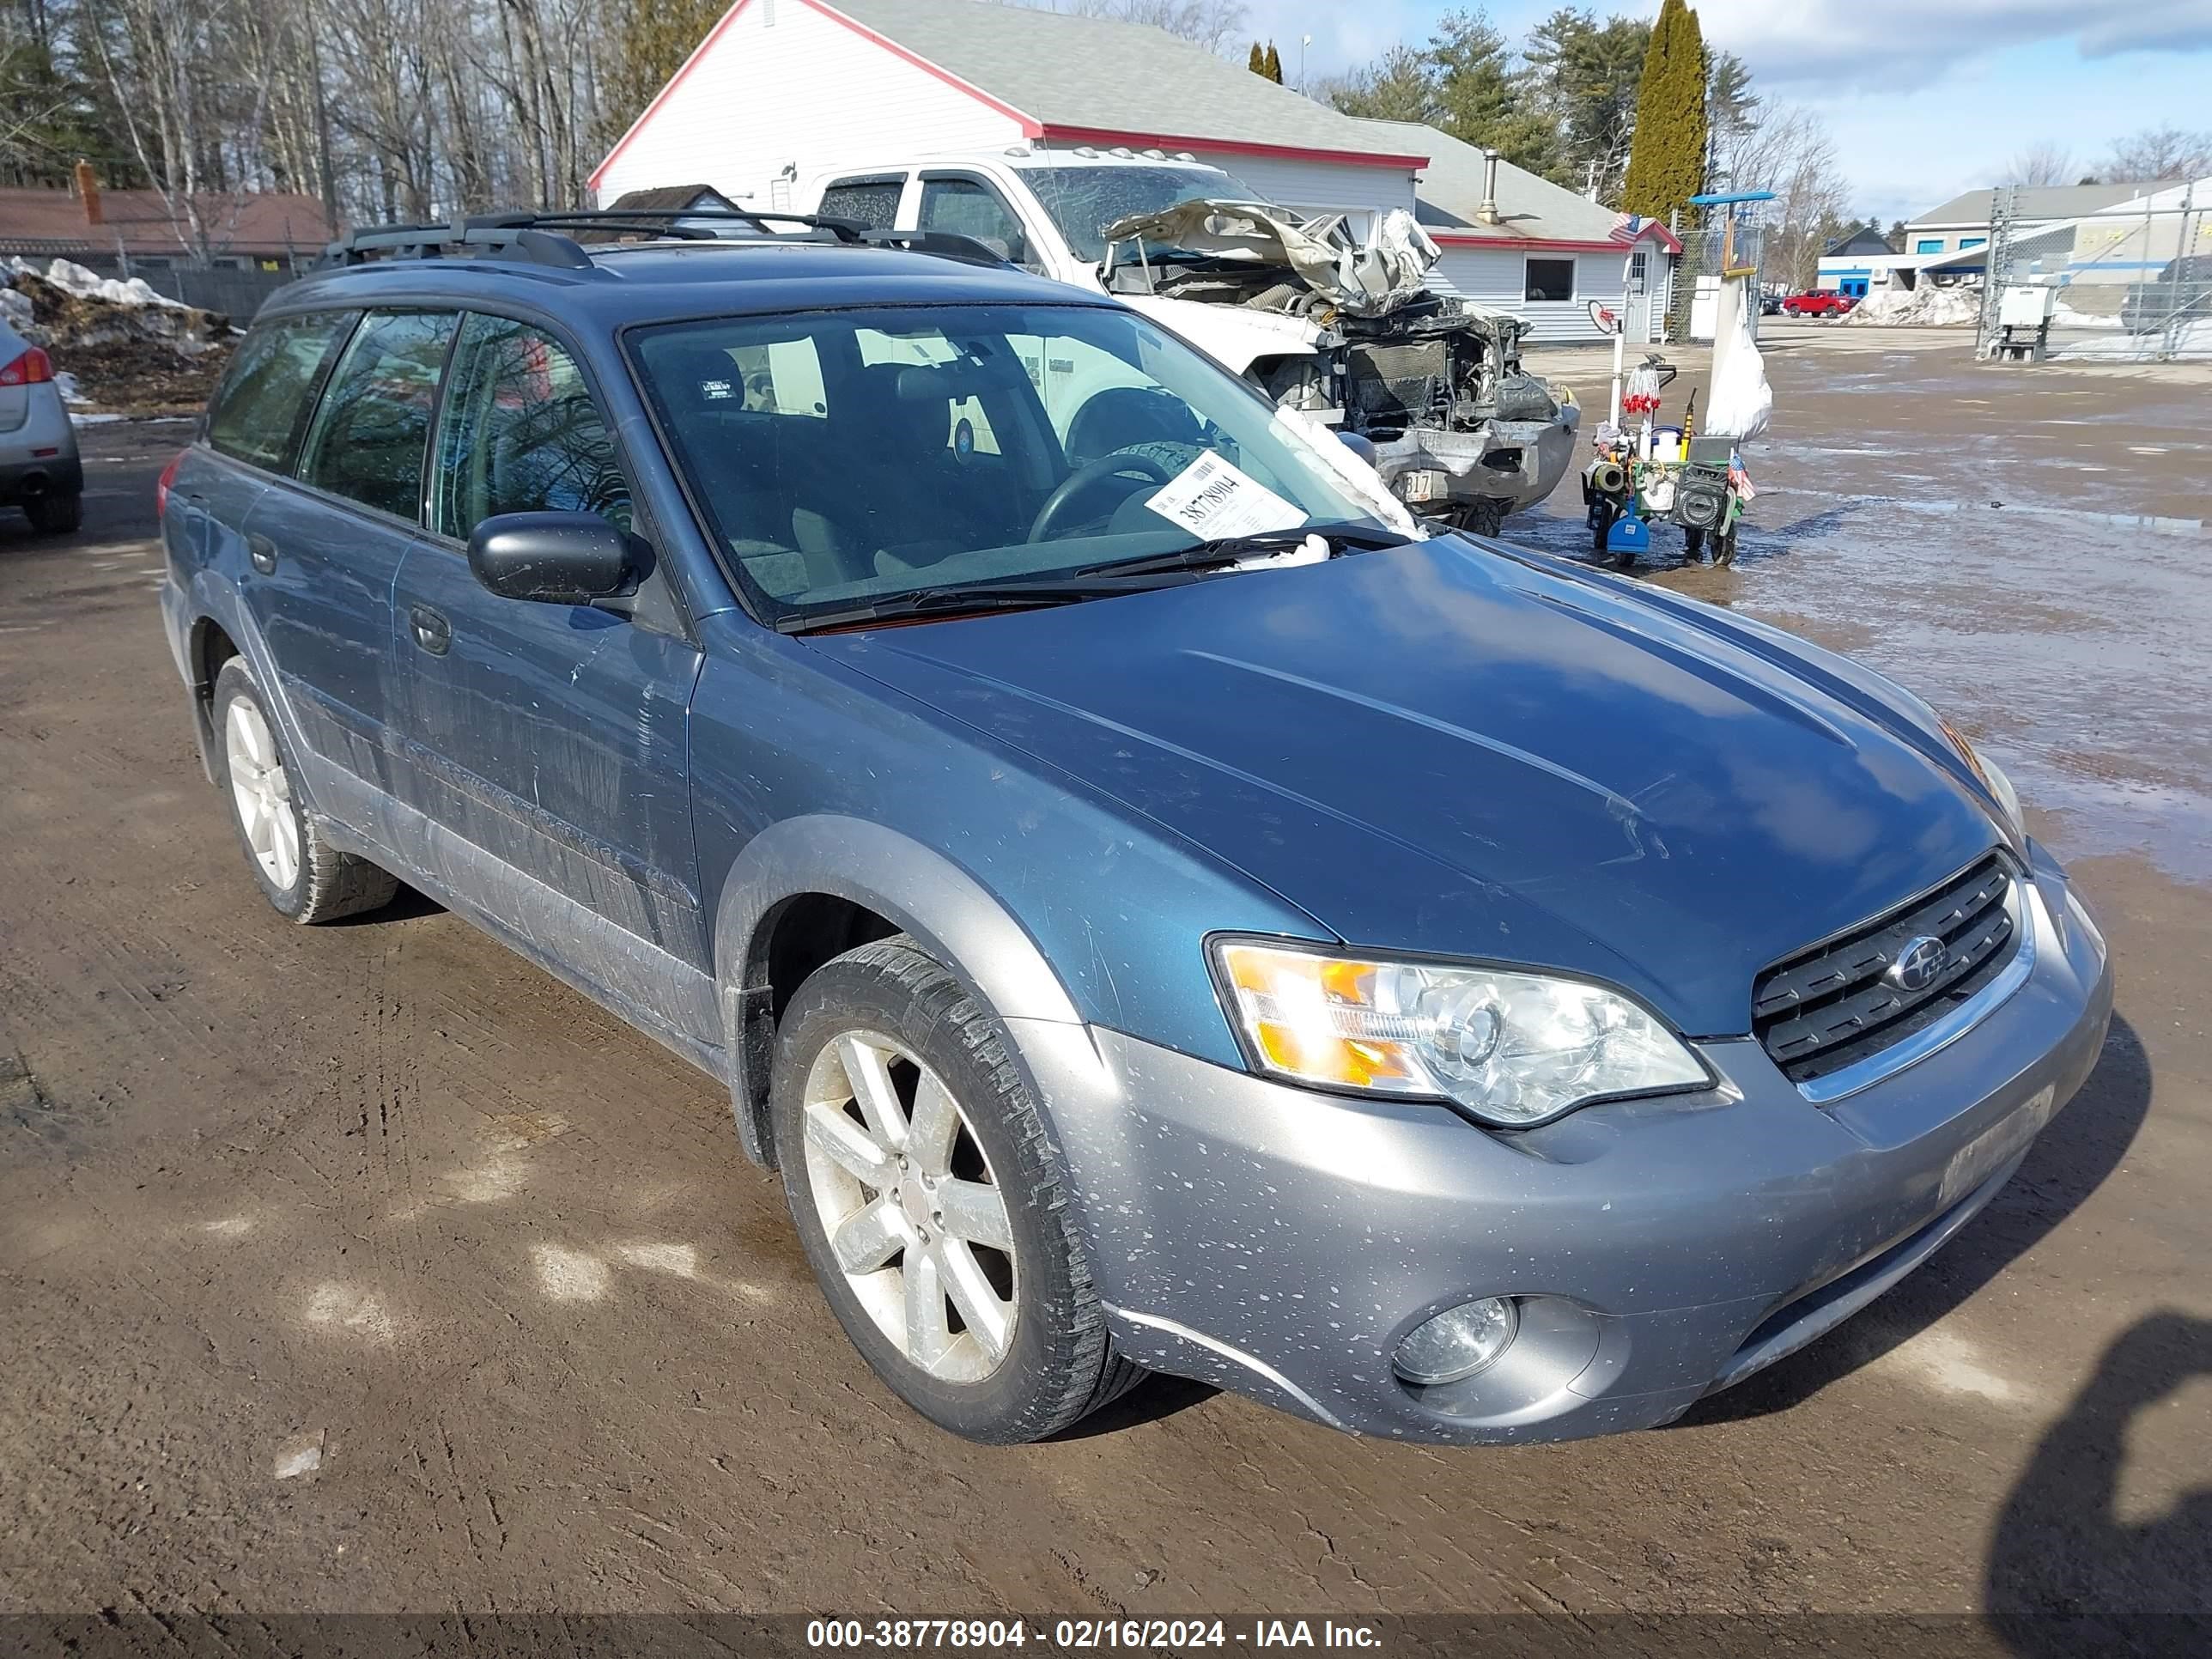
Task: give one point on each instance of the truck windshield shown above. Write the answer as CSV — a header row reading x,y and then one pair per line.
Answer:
x,y
1083,200
849,457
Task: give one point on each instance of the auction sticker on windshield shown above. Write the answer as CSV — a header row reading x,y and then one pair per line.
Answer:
x,y
1214,500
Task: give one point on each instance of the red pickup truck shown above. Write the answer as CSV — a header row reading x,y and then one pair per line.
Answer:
x,y
1820,302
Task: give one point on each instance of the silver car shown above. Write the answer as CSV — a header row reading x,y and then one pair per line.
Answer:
x,y
39,471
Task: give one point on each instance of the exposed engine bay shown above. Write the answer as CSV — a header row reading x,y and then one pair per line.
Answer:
x,y
1461,432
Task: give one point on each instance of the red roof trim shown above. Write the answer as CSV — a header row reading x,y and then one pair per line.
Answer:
x,y
1106,138
1471,239
1029,127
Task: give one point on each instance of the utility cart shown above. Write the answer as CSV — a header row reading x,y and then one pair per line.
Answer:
x,y
1645,472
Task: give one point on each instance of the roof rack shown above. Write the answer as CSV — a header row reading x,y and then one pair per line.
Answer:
x,y
537,238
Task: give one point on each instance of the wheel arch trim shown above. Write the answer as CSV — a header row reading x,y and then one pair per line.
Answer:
x,y
946,910
212,600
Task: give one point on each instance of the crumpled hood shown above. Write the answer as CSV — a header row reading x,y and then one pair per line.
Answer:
x,y
1444,749
1365,279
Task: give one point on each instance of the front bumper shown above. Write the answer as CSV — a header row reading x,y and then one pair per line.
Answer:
x,y
1282,1242
1515,461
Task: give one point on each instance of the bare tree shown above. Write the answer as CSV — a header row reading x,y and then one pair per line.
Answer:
x,y
1209,22
1789,151
2043,163
2161,153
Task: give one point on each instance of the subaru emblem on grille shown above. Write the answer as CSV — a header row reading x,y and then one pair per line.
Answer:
x,y
1918,963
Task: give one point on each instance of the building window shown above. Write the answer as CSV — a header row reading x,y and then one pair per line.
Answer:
x,y
1965,242
1551,279
1928,245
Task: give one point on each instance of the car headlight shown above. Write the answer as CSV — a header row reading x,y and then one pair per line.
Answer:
x,y
1992,776
1514,1049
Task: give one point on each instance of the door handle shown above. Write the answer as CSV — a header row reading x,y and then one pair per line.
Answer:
x,y
262,552
432,631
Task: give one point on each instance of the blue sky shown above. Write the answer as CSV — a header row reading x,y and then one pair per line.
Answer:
x,y
1925,98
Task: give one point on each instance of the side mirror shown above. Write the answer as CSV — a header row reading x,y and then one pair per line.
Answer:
x,y
1360,444
556,558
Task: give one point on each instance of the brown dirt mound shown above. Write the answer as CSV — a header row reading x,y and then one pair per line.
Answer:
x,y
127,359
141,378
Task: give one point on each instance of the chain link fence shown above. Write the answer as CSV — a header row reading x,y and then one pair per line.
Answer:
x,y
236,291
2133,284
1706,250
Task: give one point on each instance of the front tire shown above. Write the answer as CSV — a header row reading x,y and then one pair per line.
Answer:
x,y
931,1202
299,873
1486,517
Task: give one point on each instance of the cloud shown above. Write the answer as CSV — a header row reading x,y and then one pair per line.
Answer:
x,y
1886,46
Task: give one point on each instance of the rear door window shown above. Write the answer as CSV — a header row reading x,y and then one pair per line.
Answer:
x,y
872,203
969,207
520,433
257,415
369,433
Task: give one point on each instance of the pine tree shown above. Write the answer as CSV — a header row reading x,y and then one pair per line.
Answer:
x,y
1258,62
1667,159
1399,86
1582,78
1481,99
1274,69
654,38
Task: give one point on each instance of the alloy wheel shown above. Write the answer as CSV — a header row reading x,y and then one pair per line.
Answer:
x,y
916,1222
263,793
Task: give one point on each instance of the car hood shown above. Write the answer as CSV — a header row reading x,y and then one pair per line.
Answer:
x,y
1445,749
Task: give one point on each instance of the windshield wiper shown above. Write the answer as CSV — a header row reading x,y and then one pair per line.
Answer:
x,y
1010,595
1228,549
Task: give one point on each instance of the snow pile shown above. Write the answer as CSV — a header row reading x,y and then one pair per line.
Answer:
x,y
64,307
2065,316
117,346
1926,307
74,279
2190,340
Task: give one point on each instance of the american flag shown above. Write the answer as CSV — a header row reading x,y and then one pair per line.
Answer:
x,y
1626,227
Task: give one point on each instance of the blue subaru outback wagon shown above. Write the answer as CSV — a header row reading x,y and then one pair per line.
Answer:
x,y
1159,908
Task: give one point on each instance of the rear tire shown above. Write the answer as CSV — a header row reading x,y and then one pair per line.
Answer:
x,y
1601,516
904,1129
301,874
55,515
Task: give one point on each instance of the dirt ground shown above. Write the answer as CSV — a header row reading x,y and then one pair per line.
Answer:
x,y
367,1268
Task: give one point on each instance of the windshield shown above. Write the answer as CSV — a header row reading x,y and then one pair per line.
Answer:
x,y
849,457
1083,201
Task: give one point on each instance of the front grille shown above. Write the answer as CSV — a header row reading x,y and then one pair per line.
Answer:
x,y
1831,1007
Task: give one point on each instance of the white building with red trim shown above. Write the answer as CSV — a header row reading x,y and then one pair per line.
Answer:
x,y
782,91
1520,243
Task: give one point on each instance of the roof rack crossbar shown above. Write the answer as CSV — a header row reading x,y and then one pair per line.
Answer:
x,y
536,237
950,244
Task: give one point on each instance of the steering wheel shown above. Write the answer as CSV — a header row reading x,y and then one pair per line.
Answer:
x,y
1082,479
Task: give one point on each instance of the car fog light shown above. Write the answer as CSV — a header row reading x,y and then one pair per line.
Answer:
x,y
1458,1342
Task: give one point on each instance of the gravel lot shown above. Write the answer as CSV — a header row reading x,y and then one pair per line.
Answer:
x,y
367,1268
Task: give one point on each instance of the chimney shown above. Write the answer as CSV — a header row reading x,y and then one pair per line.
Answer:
x,y
1487,213
87,189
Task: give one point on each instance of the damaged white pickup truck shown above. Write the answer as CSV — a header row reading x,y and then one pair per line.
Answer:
x,y
1342,328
